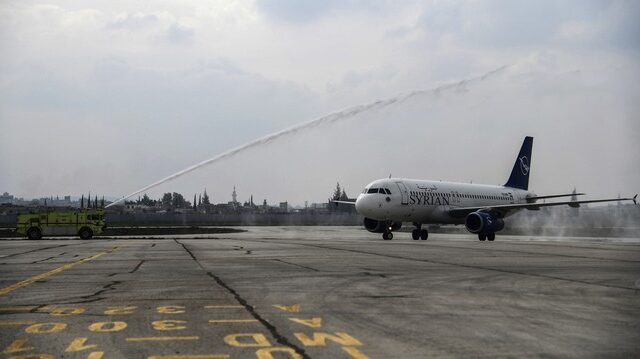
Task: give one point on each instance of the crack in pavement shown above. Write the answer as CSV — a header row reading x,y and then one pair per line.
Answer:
x,y
42,249
270,327
297,265
42,260
137,267
95,296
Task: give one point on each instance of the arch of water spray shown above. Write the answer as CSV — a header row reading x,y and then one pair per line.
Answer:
x,y
331,118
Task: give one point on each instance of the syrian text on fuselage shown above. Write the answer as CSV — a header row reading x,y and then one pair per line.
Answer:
x,y
428,199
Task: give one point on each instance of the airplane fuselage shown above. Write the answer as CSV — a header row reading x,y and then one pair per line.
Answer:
x,y
423,201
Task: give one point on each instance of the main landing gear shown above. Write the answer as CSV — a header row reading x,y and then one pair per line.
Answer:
x,y
487,236
416,234
419,233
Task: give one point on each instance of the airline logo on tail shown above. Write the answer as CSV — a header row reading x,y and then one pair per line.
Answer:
x,y
524,165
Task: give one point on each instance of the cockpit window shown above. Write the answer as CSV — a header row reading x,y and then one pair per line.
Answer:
x,y
373,190
387,190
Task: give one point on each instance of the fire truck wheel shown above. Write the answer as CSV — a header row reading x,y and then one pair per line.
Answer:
x,y
34,233
85,233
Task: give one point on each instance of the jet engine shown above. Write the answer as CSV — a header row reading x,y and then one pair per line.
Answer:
x,y
375,226
483,222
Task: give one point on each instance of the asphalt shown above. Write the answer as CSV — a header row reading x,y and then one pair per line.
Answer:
x,y
319,292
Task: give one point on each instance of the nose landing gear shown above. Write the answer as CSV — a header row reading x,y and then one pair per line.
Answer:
x,y
387,236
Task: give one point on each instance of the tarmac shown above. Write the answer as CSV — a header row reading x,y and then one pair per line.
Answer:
x,y
319,292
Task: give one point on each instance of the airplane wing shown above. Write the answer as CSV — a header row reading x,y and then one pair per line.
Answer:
x,y
345,202
534,198
502,209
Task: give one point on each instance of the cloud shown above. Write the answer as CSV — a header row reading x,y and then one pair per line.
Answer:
x,y
134,21
542,23
179,34
298,11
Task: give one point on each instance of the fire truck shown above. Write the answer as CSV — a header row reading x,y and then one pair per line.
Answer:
x,y
84,223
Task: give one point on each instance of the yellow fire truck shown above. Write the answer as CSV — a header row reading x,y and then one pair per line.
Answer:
x,y
84,223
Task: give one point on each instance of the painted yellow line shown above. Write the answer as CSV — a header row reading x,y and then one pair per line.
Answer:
x,y
222,306
16,309
217,321
197,356
26,282
147,339
16,322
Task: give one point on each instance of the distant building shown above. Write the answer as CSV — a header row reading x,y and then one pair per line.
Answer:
x,y
6,198
283,207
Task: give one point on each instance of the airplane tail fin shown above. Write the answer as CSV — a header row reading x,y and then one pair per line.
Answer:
x,y
520,173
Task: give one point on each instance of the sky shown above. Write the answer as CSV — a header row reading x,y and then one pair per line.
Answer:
x,y
110,96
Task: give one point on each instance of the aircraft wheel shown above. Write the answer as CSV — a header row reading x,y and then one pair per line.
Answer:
x,y
387,236
491,237
415,234
34,233
85,233
482,236
424,234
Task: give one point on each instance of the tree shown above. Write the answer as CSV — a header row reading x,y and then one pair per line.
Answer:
x,y
167,200
343,196
178,200
146,200
337,192
205,198
194,202
82,201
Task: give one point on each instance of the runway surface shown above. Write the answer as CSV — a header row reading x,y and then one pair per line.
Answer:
x,y
319,292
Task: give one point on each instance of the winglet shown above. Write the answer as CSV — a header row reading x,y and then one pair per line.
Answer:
x,y
634,199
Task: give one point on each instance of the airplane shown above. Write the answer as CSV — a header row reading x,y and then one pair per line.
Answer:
x,y
387,203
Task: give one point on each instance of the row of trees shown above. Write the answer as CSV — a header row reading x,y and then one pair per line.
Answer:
x,y
88,203
339,194
174,200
